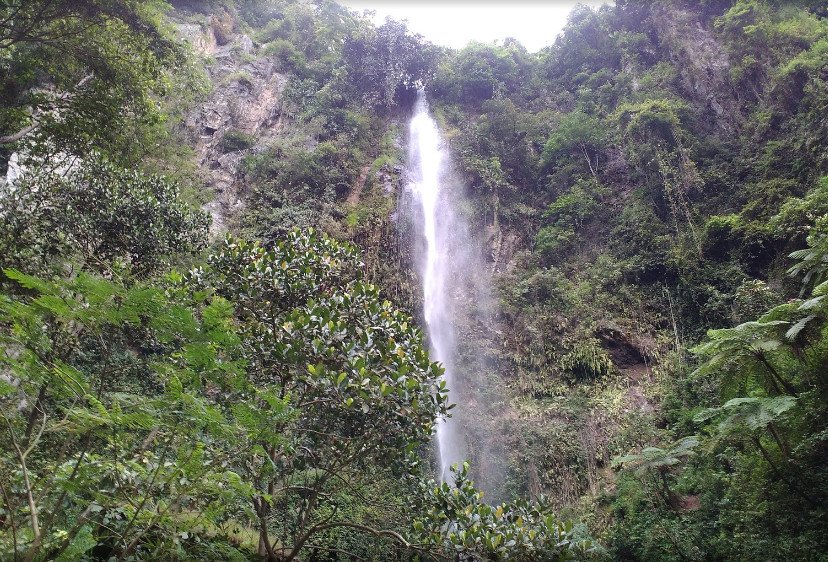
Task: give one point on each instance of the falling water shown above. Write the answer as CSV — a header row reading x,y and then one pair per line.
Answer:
x,y
428,163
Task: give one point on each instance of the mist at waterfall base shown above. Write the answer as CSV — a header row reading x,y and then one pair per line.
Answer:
x,y
456,294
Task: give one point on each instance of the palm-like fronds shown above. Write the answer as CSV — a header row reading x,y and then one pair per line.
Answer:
x,y
656,458
813,260
740,414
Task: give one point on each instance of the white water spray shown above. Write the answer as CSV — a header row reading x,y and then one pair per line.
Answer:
x,y
428,161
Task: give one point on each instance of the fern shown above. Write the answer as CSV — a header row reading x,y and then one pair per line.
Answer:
x,y
652,458
794,330
747,413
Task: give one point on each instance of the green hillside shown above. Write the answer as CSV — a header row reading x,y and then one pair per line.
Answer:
x,y
209,305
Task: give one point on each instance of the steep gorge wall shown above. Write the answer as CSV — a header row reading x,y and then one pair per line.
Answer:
x,y
703,62
575,311
583,344
242,112
245,114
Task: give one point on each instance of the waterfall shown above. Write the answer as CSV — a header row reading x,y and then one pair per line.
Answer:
x,y
428,180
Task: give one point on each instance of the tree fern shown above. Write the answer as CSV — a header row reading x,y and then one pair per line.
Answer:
x,y
812,261
742,357
656,458
747,413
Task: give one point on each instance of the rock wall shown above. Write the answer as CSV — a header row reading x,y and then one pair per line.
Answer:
x,y
703,62
245,98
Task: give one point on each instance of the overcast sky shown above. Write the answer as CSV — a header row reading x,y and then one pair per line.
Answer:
x,y
454,23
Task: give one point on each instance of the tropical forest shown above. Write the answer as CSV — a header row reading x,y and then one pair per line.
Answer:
x,y
284,281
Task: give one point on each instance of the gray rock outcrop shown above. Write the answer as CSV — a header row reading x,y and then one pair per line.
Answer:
x,y
245,101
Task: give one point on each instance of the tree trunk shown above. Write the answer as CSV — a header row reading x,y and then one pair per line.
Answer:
x,y
589,162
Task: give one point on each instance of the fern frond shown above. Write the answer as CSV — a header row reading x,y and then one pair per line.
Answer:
x,y
794,330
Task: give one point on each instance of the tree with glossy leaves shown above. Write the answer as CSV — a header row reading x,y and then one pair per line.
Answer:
x,y
351,367
460,525
110,219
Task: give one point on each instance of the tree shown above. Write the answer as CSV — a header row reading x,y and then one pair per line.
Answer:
x,y
81,73
813,261
658,461
760,37
380,64
566,215
749,415
259,390
110,218
576,131
478,72
352,369
780,352
107,428
743,354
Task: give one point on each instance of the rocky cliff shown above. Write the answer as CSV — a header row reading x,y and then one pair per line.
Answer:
x,y
242,113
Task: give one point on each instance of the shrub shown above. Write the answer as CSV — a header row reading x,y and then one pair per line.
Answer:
x,y
290,59
235,141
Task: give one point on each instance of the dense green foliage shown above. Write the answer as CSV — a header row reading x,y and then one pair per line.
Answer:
x,y
178,420
81,75
646,178
653,192
109,218
459,521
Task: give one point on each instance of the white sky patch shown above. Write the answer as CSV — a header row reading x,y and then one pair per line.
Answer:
x,y
454,23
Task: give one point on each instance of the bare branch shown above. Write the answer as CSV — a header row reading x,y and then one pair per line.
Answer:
x,y
21,456
11,510
14,137
386,533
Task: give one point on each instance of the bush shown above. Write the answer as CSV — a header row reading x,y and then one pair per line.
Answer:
x,y
554,239
109,218
721,235
290,59
235,141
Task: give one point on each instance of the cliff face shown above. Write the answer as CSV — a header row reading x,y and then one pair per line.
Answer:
x,y
510,355
631,184
702,61
636,287
250,140
242,113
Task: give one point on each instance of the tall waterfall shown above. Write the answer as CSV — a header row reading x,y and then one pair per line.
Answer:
x,y
428,180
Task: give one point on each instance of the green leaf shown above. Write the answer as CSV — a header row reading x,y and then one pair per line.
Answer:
x,y
29,281
794,330
767,345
